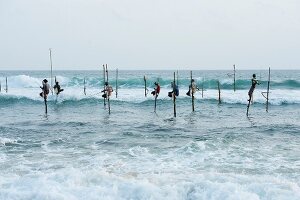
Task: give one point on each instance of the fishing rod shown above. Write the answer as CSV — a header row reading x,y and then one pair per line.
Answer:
x,y
50,54
93,94
233,74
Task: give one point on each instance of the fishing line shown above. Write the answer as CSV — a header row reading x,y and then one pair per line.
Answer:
x,y
93,94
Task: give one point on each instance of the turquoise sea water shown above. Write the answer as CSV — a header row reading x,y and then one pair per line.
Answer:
x,y
79,151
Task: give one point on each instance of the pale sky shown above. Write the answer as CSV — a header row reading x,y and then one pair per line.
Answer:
x,y
150,34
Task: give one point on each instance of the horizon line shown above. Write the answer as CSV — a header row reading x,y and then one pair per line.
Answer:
x,y
228,69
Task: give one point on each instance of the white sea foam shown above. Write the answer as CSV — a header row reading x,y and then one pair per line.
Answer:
x,y
276,97
226,81
5,141
21,81
138,151
170,182
26,86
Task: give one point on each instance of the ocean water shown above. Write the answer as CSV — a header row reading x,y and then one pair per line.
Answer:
x,y
79,151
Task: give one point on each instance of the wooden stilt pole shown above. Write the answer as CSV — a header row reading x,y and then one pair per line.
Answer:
x,y
192,92
55,83
104,98
268,90
107,92
202,88
6,85
155,101
248,106
174,96
84,87
219,91
46,106
117,74
177,79
234,78
54,90
145,83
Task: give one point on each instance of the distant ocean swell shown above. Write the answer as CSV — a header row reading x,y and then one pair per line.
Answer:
x,y
74,96
25,89
25,81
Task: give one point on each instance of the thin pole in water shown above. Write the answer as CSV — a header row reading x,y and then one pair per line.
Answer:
x,y
193,98
6,85
177,79
155,103
46,107
248,106
84,87
50,54
155,100
117,74
219,90
234,78
202,88
107,92
55,91
145,83
174,96
104,98
268,90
